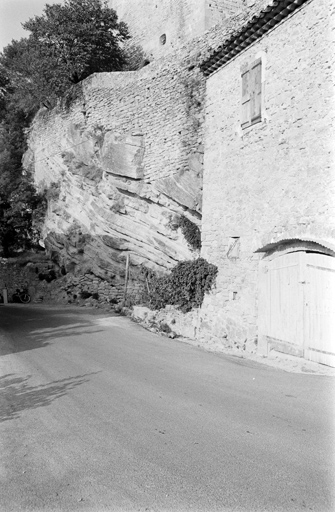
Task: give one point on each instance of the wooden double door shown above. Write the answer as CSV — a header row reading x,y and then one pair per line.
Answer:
x,y
296,307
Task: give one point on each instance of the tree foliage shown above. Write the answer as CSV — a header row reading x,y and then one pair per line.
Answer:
x,y
18,197
65,44
191,232
17,211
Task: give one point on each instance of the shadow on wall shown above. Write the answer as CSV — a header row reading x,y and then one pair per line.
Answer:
x,y
16,395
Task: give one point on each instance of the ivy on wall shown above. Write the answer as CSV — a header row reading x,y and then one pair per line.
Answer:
x,y
184,287
190,231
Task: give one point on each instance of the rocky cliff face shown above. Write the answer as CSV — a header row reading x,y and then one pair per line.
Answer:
x,y
120,163
119,168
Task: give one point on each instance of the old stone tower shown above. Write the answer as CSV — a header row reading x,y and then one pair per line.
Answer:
x,y
161,26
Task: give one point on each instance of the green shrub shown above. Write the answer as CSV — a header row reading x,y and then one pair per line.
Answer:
x,y
184,287
164,327
190,231
48,276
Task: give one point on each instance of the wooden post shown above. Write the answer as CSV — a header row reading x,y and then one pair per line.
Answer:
x,y
126,280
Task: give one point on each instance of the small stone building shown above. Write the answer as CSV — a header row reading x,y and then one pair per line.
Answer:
x,y
268,191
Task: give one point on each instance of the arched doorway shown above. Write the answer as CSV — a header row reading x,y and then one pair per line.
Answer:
x,y
296,307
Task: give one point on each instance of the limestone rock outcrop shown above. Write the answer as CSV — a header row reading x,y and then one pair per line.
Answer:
x,y
119,167
123,159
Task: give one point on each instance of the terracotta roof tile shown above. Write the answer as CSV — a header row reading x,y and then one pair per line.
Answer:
x,y
242,30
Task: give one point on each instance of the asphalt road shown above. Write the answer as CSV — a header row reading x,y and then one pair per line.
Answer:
x,y
97,414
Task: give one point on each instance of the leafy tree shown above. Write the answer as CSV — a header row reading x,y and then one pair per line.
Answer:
x,y
66,44
18,206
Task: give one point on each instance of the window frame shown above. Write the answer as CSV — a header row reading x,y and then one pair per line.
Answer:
x,y
252,94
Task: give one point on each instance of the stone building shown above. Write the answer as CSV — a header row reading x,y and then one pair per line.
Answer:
x,y
235,111
123,162
161,27
268,190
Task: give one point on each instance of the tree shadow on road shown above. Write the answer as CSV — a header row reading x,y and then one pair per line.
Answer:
x,y
42,337
29,328
17,395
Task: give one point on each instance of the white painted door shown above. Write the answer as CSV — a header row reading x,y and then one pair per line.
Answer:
x,y
281,303
297,305
320,309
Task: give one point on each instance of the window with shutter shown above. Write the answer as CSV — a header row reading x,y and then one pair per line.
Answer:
x,y
245,100
252,94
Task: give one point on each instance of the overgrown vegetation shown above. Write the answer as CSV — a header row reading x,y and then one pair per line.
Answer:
x,y
190,231
184,287
85,294
18,197
48,276
66,44
19,206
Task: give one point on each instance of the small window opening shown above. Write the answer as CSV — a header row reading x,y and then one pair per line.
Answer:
x,y
233,251
162,39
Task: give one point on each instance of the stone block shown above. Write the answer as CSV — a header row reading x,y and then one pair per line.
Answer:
x,y
184,188
123,155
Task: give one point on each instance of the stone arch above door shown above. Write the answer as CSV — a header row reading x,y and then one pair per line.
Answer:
x,y
286,245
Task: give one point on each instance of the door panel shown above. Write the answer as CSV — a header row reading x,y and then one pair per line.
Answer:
x,y
320,309
297,305
281,303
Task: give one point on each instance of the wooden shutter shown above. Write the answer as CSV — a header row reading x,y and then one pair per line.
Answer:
x,y
256,91
245,99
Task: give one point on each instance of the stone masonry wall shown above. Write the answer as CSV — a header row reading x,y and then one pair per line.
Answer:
x,y
122,161
119,166
179,20
218,10
46,283
273,180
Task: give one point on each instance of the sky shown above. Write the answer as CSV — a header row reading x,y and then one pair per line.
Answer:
x,y
15,12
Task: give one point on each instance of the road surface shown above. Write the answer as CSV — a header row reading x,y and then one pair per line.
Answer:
x,y
97,414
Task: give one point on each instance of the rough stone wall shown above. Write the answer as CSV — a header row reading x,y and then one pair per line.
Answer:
x,y
24,273
218,10
119,166
46,283
179,20
273,180
126,158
